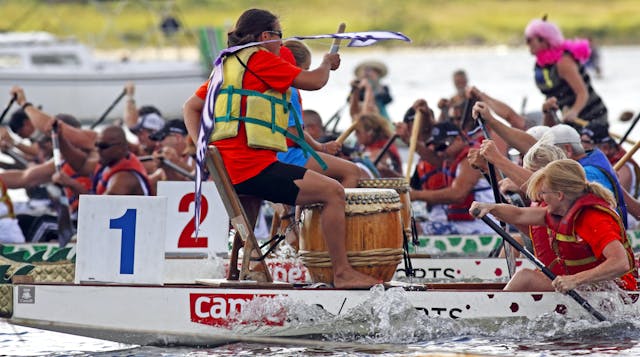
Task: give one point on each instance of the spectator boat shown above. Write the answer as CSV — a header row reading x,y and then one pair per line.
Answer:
x,y
63,76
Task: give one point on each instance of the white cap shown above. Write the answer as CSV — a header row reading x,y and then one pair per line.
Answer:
x,y
537,131
561,134
151,121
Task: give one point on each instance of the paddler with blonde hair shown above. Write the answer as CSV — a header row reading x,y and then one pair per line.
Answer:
x,y
585,232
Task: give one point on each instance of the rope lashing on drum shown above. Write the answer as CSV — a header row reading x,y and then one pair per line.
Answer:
x,y
380,256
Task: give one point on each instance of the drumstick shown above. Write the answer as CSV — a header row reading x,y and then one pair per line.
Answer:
x,y
417,122
336,41
346,133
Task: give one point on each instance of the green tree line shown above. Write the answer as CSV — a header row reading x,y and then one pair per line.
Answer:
x,y
109,24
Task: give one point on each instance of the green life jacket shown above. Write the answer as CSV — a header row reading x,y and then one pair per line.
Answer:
x,y
267,113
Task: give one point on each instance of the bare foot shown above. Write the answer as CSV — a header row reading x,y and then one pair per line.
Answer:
x,y
353,279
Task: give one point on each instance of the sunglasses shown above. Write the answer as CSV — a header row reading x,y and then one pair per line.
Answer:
x,y
442,146
275,32
104,146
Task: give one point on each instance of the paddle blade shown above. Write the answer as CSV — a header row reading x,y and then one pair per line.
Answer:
x,y
65,227
60,204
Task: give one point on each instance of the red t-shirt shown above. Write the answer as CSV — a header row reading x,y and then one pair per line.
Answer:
x,y
241,161
599,229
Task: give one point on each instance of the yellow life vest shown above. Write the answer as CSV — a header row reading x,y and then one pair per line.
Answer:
x,y
5,200
267,113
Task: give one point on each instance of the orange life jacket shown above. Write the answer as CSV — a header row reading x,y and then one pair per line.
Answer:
x,y
130,163
85,181
429,177
574,254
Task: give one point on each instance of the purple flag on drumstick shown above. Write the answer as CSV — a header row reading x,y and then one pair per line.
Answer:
x,y
207,120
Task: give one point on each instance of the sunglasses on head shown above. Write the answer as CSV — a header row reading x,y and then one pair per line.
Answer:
x,y
104,146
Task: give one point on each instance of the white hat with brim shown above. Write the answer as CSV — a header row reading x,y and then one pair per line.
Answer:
x,y
561,134
378,66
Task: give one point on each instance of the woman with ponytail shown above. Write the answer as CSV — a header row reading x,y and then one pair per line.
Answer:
x,y
585,232
560,71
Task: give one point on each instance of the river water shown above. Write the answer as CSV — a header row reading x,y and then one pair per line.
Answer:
x,y
506,74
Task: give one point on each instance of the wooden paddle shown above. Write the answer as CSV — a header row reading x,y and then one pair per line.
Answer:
x,y
626,157
578,121
61,203
507,237
347,132
109,109
413,142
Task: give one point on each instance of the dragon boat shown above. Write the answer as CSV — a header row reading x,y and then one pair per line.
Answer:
x,y
132,286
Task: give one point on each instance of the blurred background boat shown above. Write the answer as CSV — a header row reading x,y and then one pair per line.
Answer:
x,y
63,75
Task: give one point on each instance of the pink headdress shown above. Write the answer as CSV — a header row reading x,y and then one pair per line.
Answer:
x,y
549,31
546,30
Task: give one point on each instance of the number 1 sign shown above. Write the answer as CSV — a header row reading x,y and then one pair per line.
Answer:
x,y
121,239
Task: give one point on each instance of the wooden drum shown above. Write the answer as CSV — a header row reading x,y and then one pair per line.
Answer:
x,y
401,185
373,235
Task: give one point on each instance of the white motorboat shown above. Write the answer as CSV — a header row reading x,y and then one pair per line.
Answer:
x,y
63,76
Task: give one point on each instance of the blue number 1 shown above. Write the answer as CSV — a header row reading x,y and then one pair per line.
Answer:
x,y
127,223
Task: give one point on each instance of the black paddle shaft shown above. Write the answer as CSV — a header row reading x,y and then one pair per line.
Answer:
x,y
61,203
384,149
579,299
106,112
633,124
6,109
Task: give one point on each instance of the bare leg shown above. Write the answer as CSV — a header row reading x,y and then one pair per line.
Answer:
x,y
529,280
342,170
315,188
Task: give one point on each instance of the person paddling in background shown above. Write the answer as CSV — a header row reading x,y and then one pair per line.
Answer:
x,y
586,234
115,170
249,155
560,71
448,106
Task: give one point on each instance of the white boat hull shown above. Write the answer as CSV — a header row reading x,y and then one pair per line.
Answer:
x,y
88,95
201,315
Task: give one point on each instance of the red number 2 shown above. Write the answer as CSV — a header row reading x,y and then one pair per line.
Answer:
x,y
187,240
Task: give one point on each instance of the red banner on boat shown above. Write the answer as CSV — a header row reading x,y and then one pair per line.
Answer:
x,y
225,309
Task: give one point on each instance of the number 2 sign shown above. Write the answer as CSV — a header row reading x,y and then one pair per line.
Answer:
x,y
213,234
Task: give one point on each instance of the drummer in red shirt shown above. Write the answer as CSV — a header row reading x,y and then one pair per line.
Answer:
x,y
256,88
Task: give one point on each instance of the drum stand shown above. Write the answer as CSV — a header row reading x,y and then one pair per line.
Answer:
x,y
408,267
284,217
244,237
